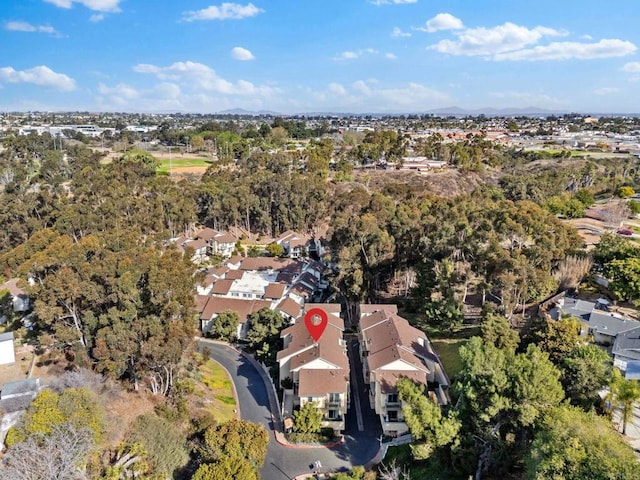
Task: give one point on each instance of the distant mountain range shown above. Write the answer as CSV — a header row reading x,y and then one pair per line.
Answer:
x,y
446,111
242,111
495,112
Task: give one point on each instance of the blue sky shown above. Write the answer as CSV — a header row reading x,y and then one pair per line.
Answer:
x,y
295,56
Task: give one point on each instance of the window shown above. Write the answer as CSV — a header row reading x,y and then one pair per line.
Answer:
x,y
333,414
309,399
235,294
334,398
392,415
392,398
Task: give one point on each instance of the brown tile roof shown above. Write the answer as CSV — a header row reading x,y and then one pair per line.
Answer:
x,y
234,275
286,277
318,383
209,280
389,337
290,307
302,290
218,271
305,350
333,308
201,302
244,308
373,319
368,308
293,238
224,237
293,266
222,287
206,234
196,244
275,291
235,260
388,379
388,355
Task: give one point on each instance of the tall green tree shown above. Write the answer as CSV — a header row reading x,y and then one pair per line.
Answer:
x,y
225,326
497,331
585,371
430,428
574,445
624,393
307,419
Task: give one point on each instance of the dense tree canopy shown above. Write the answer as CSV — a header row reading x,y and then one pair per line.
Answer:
x,y
574,445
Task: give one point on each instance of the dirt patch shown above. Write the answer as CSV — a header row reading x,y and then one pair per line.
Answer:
x,y
122,408
589,229
183,172
20,369
442,183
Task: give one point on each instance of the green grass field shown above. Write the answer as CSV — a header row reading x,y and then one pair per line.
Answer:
x,y
219,392
447,350
181,162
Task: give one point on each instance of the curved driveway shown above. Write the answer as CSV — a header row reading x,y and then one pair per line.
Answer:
x,y
286,462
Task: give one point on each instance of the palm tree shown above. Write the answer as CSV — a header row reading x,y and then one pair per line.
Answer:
x,y
624,392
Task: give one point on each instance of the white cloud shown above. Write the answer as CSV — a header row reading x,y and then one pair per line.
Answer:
x,y
606,90
363,94
242,54
27,27
226,11
491,41
631,67
348,55
528,99
96,5
398,33
362,87
443,21
337,88
605,48
41,75
390,56
97,17
195,76
634,69
351,55
169,96
393,2
161,97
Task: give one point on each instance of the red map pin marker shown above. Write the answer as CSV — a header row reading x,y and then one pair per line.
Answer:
x,y
316,321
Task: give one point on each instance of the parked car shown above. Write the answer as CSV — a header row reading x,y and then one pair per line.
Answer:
x,y
625,232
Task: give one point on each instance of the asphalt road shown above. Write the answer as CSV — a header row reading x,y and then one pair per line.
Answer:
x,y
285,462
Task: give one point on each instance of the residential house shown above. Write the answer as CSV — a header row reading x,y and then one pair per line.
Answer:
x,y
198,248
319,370
243,307
289,309
19,299
15,397
297,245
626,351
7,349
219,243
595,318
392,349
